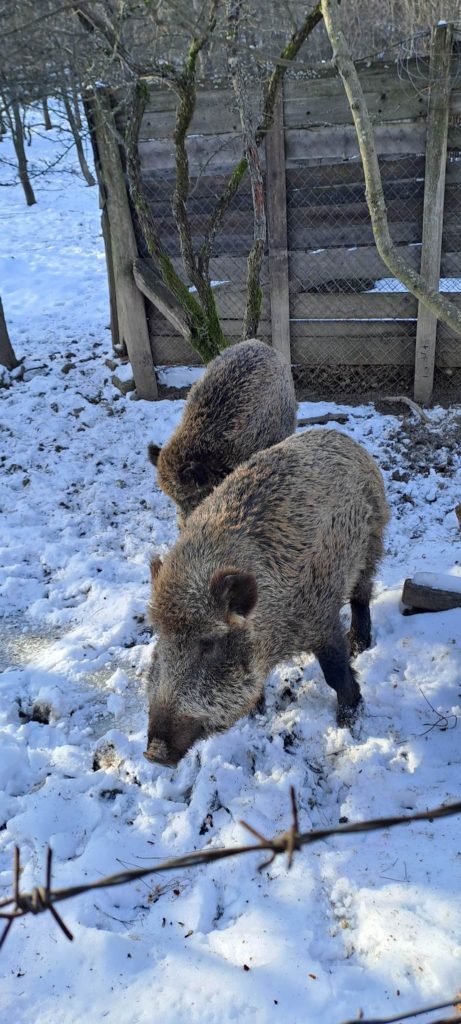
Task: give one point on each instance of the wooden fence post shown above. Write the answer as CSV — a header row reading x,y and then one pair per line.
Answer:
x,y
131,312
277,231
434,195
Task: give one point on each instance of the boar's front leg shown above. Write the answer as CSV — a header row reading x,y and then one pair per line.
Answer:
x,y
334,662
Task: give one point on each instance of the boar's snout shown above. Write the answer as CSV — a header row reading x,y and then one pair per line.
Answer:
x,y
169,739
158,753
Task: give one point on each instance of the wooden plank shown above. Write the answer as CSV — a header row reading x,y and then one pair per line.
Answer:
x,y
306,217
434,191
314,306
324,199
234,243
131,312
160,296
320,175
388,97
340,143
232,325
362,306
212,151
277,232
173,350
105,227
343,267
448,352
301,145
395,350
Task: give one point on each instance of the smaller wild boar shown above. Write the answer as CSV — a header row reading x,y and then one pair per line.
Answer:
x,y
260,574
244,402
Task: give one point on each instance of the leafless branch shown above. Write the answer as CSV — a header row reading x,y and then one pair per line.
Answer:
x,y
411,405
289,53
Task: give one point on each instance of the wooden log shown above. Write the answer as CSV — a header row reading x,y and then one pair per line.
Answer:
x,y
434,194
131,313
160,296
328,417
424,597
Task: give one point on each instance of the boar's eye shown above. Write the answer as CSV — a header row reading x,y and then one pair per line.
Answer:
x,y
207,645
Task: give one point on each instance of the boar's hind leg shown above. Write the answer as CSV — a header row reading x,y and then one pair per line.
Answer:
x,y
334,662
360,631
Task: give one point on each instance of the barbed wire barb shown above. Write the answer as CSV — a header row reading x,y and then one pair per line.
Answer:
x,y
44,898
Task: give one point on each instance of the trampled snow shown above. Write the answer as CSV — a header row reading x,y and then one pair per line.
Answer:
x,y
366,923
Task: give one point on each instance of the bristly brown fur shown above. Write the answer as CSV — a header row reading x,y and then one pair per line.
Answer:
x,y
260,573
245,402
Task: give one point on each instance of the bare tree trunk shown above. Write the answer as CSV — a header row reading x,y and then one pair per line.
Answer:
x,y
251,151
7,356
17,131
442,308
46,114
3,128
76,136
76,101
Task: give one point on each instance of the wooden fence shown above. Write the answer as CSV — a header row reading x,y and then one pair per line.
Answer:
x,y
328,300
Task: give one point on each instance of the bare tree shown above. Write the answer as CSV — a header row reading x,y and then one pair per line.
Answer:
x,y
439,305
46,115
199,309
7,356
70,114
15,123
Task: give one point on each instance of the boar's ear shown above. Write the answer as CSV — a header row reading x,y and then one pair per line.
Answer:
x,y
194,473
235,592
155,566
153,451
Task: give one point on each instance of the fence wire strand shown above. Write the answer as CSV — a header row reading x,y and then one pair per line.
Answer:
x,y
44,898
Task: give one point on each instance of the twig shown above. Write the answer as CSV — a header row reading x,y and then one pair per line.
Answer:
x,y
439,718
411,1013
44,897
328,417
411,405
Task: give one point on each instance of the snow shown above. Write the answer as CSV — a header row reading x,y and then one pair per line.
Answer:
x,y
438,581
369,922
390,284
179,376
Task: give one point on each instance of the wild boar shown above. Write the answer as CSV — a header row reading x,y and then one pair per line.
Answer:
x,y
260,574
244,402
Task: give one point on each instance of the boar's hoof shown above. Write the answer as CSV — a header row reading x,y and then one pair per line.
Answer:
x,y
358,643
347,715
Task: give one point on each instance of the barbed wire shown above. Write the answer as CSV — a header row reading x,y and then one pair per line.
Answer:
x,y
415,1013
43,897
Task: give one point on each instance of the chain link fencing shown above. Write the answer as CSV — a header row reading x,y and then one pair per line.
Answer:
x,y
352,325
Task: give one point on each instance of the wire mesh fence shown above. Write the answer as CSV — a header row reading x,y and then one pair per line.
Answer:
x,y
352,325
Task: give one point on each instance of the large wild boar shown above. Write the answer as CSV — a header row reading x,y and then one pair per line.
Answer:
x,y
258,575
244,402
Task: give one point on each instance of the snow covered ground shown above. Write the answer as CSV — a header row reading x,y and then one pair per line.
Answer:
x,y
367,923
